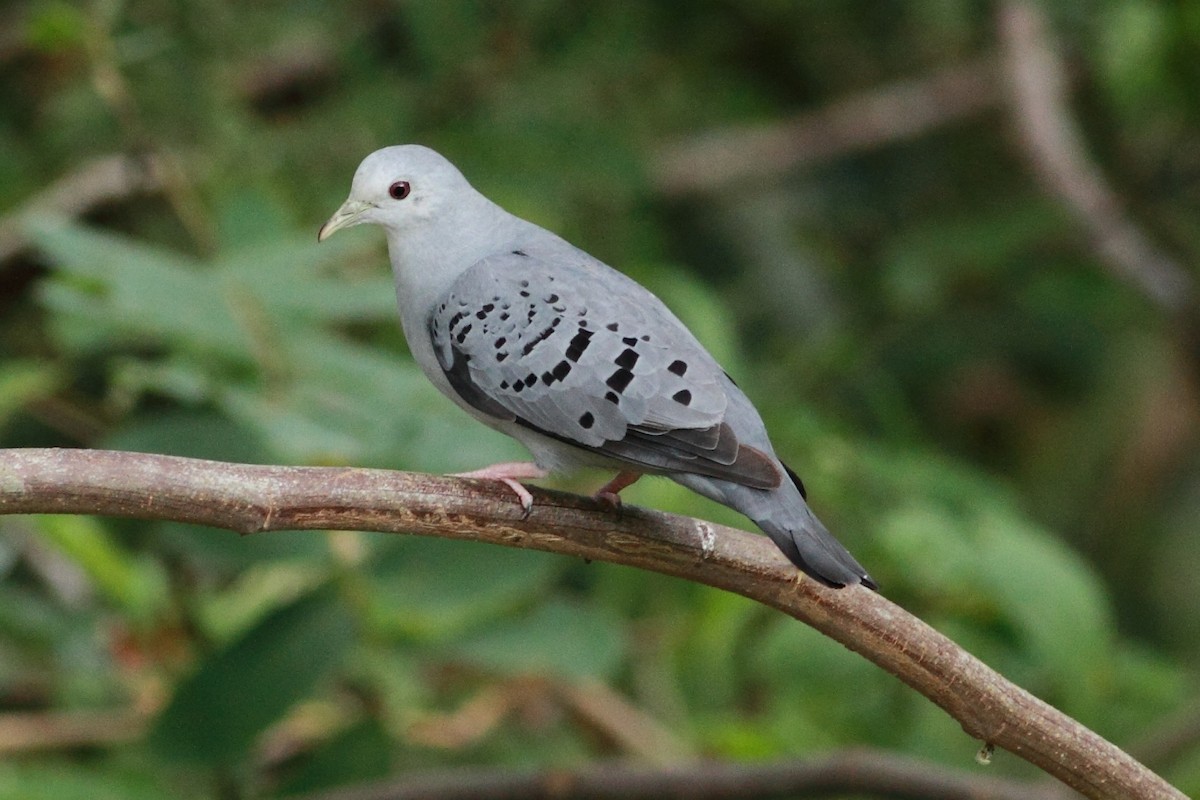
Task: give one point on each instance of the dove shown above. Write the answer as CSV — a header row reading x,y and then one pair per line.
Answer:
x,y
575,360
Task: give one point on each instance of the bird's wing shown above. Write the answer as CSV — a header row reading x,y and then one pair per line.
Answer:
x,y
568,347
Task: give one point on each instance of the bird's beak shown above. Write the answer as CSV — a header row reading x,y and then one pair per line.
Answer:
x,y
348,215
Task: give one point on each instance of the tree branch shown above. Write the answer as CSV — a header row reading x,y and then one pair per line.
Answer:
x,y
250,498
855,771
1037,84
901,110
99,181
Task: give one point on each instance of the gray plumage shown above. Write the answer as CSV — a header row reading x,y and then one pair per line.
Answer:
x,y
578,362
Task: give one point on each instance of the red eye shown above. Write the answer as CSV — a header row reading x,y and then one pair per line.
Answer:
x,y
399,190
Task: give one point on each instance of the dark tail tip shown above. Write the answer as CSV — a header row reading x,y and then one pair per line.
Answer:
x,y
840,582
819,555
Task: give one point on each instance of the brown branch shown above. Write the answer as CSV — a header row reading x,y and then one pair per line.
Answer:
x,y
624,724
100,181
1037,85
856,771
24,732
250,498
895,112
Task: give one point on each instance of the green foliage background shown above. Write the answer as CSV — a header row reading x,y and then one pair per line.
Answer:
x,y
1000,429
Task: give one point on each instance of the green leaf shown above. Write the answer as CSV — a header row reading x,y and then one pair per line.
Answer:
x,y
927,541
826,694
558,639
360,753
436,588
23,381
60,780
56,27
130,290
192,433
1052,598
217,713
137,585
295,278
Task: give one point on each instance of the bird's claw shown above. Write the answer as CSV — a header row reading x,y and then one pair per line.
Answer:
x,y
507,474
610,499
523,496
609,493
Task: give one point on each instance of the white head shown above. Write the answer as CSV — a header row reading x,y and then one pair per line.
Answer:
x,y
400,188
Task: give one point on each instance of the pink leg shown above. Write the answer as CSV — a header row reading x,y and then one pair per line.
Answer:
x,y
509,473
610,493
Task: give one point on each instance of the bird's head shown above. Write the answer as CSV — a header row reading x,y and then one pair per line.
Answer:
x,y
398,188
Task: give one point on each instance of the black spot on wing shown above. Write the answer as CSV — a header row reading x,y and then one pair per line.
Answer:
x,y
677,368
619,380
535,341
579,343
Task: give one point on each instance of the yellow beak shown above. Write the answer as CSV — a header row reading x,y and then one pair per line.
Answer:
x,y
347,216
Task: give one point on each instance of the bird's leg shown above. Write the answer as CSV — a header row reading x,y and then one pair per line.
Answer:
x,y
610,493
509,473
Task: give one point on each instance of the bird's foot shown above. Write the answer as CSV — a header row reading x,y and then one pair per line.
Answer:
x,y
509,473
610,493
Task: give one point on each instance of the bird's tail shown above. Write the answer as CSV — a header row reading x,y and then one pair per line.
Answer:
x,y
784,516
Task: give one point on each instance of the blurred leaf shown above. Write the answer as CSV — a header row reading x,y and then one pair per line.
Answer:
x,y
128,289
1133,50
23,381
556,639
29,619
195,434
258,589
358,754
60,780
56,26
1052,598
930,546
927,264
248,216
436,588
135,584
292,275
812,677
217,713
215,551
723,625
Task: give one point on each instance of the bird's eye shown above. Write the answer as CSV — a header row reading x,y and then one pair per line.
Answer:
x,y
399,190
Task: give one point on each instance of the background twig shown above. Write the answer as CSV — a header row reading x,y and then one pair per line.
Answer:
x,y
901,110
1036,82
868,772
96,182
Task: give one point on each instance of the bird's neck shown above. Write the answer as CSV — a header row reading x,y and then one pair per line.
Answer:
x,y
428,259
